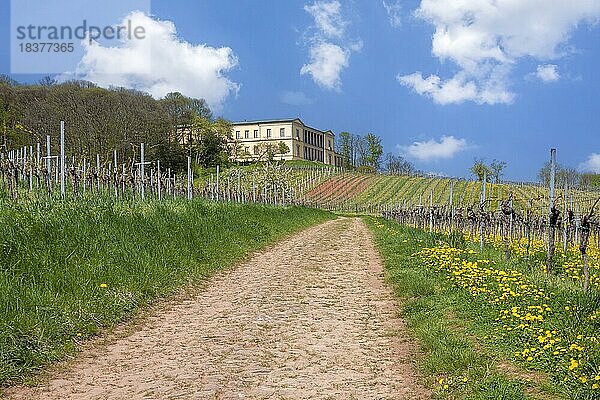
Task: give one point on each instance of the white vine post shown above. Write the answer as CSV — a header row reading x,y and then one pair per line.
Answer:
x,y
431,211
189,177
158,182
123,188
62,159
142,177
48,163
97,173
217,181
84,174
115,172
239,187
37,162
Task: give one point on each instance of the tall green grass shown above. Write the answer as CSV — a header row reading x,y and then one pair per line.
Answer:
x,y
69,269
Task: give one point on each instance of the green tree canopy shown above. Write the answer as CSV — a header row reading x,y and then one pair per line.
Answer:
x,y
374,151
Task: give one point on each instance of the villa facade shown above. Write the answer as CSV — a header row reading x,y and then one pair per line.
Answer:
x,y
303,141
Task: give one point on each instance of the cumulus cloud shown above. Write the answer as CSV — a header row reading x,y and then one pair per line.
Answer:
x,y
486,38
326,63
447,147
295,98
547,73
394,11
329,49
160,63
592,164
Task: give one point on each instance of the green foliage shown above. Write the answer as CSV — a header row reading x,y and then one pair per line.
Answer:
x,y
171,155
344,148
375,151
182,110
209,142
497,170
563,176
97,120
71,269
590,180
283,148
480,170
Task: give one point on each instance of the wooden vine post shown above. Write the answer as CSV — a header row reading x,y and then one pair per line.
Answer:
x,y
585,236
508,212
482,211
553,214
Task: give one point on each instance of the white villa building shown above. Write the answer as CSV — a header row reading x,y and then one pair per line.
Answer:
x,y
303,141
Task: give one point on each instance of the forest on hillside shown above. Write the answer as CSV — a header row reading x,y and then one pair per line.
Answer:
x,y
99,121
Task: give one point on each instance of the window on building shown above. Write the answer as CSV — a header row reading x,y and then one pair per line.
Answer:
x,y
255,150
297,133
246,134
329,145
281,132
238,135
256,134
330,159
269,133
247,150
298,150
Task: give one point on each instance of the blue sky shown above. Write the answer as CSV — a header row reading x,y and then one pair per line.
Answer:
x,y
441,83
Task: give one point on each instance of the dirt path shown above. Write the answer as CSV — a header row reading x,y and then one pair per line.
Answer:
x,y
308,318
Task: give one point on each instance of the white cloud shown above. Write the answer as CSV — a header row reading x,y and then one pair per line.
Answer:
x,y
295,98
458,89
394,11
592,164
485,38
329,50
547,73
326,63
446,148
328,17
160,63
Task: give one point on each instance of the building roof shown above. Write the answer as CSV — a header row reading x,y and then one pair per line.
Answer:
x,y
267,121
274,121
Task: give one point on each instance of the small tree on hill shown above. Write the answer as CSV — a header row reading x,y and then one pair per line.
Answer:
x,y
397,165
268,151
345,148
210,141
497,170
479,169
374,151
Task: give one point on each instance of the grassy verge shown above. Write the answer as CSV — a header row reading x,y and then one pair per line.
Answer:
x,y
69,269
467,353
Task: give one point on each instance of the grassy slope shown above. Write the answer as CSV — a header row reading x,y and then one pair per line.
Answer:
x,y
450,325
69,269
